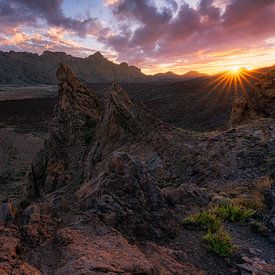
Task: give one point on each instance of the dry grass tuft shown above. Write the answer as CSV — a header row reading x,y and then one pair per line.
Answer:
x,y
264,183
255,200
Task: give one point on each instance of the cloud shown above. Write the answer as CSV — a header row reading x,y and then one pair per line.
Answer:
x,y
169,32
30,12
142,32
52,40
111,2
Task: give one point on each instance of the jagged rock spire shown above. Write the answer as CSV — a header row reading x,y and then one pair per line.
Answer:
x,y
74,95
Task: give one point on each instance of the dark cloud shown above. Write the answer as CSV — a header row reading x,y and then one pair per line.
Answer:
x,y
206,8
13,12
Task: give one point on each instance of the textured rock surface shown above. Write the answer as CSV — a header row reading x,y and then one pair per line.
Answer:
x,y
6,213
259,103
126,197
9,260
73,95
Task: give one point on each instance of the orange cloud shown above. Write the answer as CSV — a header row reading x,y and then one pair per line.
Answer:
x,y
110,2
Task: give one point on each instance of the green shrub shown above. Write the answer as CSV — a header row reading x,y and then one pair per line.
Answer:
x,y
203,220
233,213
217,239
219,242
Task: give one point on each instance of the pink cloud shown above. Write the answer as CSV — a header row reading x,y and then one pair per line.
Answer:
x,y
143,32
162,35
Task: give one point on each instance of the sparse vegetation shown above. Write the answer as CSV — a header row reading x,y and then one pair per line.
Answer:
x,y
217,239
255,200
233,213
219,242
251,197
204,221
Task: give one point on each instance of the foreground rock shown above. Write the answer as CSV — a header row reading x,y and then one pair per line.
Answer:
x,y
96,174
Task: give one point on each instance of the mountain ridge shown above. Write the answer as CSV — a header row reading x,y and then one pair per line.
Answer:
x,y
21,68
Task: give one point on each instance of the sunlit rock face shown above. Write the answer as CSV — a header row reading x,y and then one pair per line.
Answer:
x,y
74,95
259,103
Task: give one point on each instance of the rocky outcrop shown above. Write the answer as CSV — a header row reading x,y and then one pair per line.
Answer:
x,y
71,132
126,197
259,103
256,266
103,153
73,95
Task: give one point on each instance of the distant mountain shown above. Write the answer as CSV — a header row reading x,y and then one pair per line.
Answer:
x,y
194,74
27,68
166,76
21,68
172,76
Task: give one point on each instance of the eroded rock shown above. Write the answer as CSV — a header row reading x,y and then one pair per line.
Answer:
x,y
126,197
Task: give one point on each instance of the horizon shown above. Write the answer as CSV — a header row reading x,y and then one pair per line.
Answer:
x,y
208,36
186,72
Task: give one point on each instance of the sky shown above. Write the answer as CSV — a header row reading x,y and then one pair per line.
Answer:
x,y
209,36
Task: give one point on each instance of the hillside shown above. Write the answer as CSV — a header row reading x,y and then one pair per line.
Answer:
x,y
20,68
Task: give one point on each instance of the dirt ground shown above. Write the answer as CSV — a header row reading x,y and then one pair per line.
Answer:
x,y
17,151
24,117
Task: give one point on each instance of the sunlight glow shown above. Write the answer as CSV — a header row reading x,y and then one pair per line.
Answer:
x,y
235,69
236,80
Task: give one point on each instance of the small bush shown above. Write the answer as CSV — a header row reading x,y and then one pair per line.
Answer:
x,y
219,242
203,220
233,213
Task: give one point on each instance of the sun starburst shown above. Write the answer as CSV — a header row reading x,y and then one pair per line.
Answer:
x,y
236,79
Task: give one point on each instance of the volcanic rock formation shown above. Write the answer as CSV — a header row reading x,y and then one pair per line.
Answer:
x,y
109,189
259,103
87,151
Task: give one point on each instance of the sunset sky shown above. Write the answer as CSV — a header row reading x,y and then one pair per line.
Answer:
x,y
155,35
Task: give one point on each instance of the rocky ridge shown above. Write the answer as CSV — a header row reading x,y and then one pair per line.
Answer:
x,y
21,68
109,189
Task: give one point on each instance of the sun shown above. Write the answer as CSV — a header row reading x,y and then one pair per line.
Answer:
x,y
235,78
235,69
